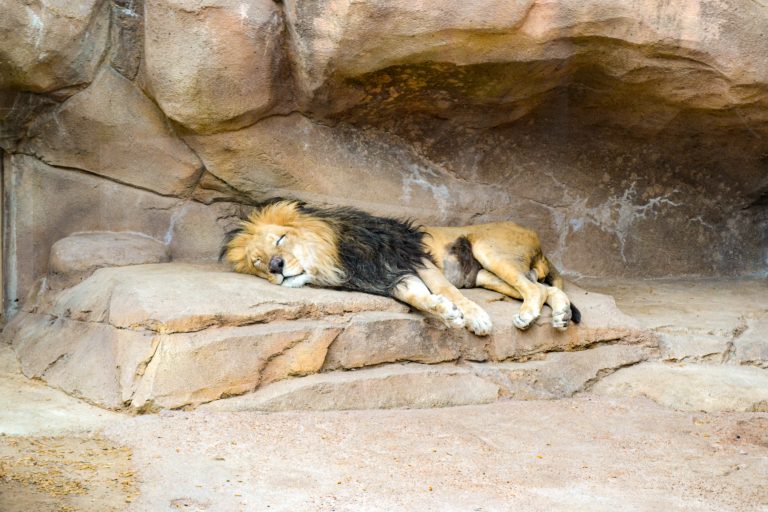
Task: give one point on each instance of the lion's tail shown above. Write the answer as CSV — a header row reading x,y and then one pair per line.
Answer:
x,y
552,277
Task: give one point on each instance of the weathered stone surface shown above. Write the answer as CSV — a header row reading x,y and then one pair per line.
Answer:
x,y
127,36
295,157
383,337
203,332
212,65
113,130
560,374
700,320
89,360
751,347
504,58
196,368
412,386
85,252
198,231
17,110
169,298
51,203
50,45
692,387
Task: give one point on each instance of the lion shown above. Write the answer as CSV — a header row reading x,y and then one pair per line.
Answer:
x,y
290,243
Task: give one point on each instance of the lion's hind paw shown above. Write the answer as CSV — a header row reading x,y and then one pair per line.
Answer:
x,y
561,319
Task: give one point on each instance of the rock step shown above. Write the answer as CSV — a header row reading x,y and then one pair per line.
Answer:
x,y
557,375
172,335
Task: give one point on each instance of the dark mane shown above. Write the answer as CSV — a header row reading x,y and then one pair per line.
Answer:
x,y
376,253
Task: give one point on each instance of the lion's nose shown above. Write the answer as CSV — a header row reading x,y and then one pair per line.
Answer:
x,y
276,264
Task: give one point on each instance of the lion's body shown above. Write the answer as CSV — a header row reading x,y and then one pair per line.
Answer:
x,y
292,244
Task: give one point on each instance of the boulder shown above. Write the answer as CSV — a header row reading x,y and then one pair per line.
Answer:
x,y
693,387
171,335
111,129
215,64
78,255
51,45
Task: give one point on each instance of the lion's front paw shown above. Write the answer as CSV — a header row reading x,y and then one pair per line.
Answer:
x,y
523,320
476,319
447,311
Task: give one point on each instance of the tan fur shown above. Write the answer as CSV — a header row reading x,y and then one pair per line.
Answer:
x,y
510,255
310,245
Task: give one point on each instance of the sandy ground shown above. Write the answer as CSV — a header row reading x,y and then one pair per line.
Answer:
x,y
581,454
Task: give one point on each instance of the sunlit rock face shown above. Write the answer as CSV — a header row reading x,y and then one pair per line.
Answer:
x,y
633,136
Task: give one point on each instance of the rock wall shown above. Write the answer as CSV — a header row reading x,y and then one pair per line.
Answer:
x,y
632,135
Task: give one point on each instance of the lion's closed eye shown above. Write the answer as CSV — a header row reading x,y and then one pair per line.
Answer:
x,y
280,241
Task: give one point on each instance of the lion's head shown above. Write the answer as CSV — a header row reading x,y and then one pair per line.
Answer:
x,y
286,245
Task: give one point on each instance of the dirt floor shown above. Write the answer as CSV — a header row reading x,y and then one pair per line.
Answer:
x,y
586,453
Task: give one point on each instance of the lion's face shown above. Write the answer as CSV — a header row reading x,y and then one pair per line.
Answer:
x,y
274,253
287,247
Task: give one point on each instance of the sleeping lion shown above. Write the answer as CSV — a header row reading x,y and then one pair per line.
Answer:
x,y
290,243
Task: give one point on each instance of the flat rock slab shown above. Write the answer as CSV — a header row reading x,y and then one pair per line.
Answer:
x,y
172,335
693,387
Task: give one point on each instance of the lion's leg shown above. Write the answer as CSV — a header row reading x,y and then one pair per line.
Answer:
x,y
491,281
505,267
414,292
476,318
556,298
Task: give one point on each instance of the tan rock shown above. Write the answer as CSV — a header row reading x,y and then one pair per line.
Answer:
x,y
213,65
169,298
511,54
194,368
113,130
53,203
88,360
751,347
199,231
692,387
85,252
560,374
377,337
387,387
172,335
601,322
294,157
45,46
